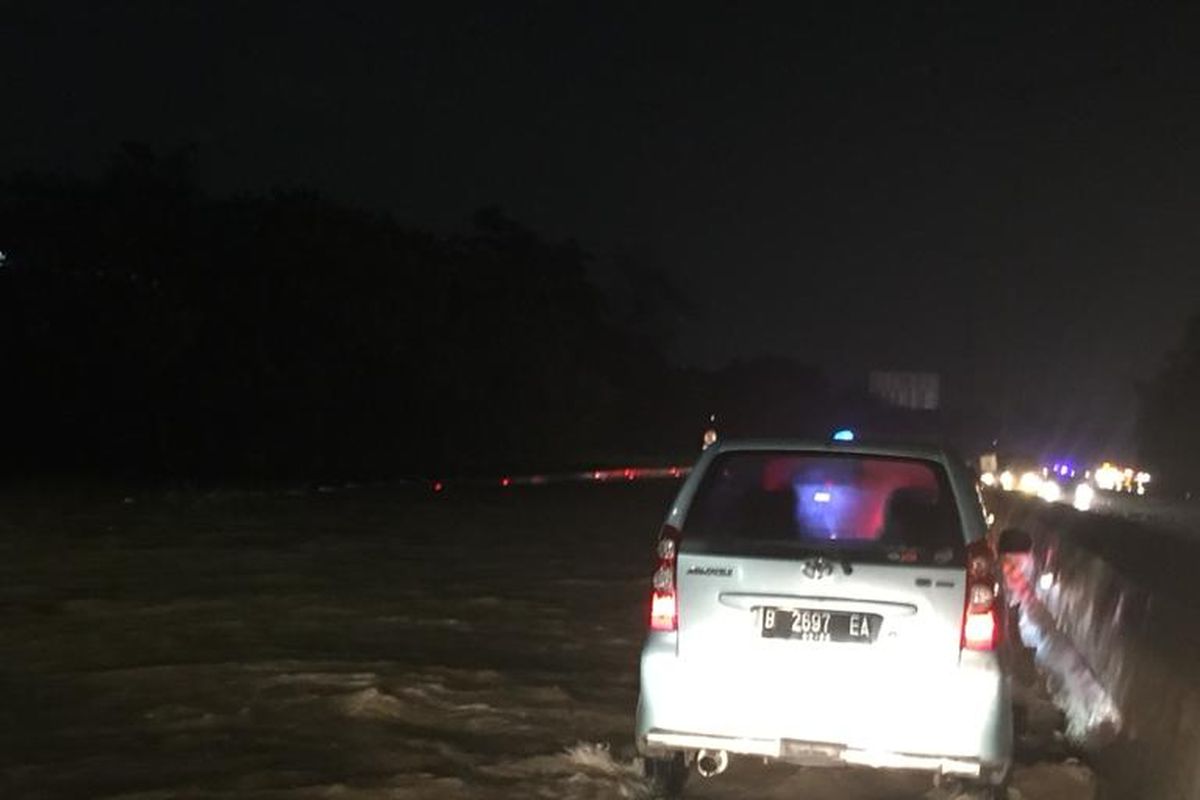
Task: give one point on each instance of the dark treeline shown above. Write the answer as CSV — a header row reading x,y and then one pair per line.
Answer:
x,y
147,329
1168,429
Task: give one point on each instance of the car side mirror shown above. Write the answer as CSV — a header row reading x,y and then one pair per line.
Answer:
x,y
1014,540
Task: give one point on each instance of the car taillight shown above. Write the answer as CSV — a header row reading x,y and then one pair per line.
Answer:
x,y
980,628
664,613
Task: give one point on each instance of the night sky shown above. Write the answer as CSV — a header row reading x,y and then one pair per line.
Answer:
x,y
1008,197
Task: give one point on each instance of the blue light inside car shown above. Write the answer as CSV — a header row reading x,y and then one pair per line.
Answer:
x,y
826,510
843,435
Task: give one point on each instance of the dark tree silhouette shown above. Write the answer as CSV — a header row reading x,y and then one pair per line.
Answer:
x,y
1168,433
146,328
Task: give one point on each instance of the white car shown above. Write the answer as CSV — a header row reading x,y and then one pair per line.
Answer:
x,y
827,604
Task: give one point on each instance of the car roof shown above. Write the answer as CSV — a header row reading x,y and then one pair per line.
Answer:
x,y
925,451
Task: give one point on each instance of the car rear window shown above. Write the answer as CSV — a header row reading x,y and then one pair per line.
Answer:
x,y
761,501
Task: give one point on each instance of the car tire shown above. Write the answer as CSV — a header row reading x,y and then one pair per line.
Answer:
x,y
974,790
666,776
990,791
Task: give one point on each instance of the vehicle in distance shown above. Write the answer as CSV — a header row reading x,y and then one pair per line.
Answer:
x,y
827,604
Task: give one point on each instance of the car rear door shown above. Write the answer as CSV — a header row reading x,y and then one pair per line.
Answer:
x,y
822,593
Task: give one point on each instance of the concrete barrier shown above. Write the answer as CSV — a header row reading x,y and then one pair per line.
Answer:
x,y
1111,606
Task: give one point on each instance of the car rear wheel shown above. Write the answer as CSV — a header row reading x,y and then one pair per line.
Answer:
x,y
666,775
988,791
974,790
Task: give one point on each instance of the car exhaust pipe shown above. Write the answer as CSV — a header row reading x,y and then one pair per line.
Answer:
x,y
711,762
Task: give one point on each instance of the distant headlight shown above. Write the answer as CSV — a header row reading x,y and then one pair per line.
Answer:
x,y
1050,491
1030,483
1084,494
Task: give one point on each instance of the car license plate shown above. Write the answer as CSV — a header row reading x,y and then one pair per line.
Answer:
x,y
815,625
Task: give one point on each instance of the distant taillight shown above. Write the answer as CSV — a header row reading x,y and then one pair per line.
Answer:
x,y
980,628
664,607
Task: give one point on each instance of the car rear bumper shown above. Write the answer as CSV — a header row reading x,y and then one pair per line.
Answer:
x,y
955,722
813,754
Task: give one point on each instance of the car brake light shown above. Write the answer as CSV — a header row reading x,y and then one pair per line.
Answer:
x,y
666,547
664,613
979,629
981,596
664,579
